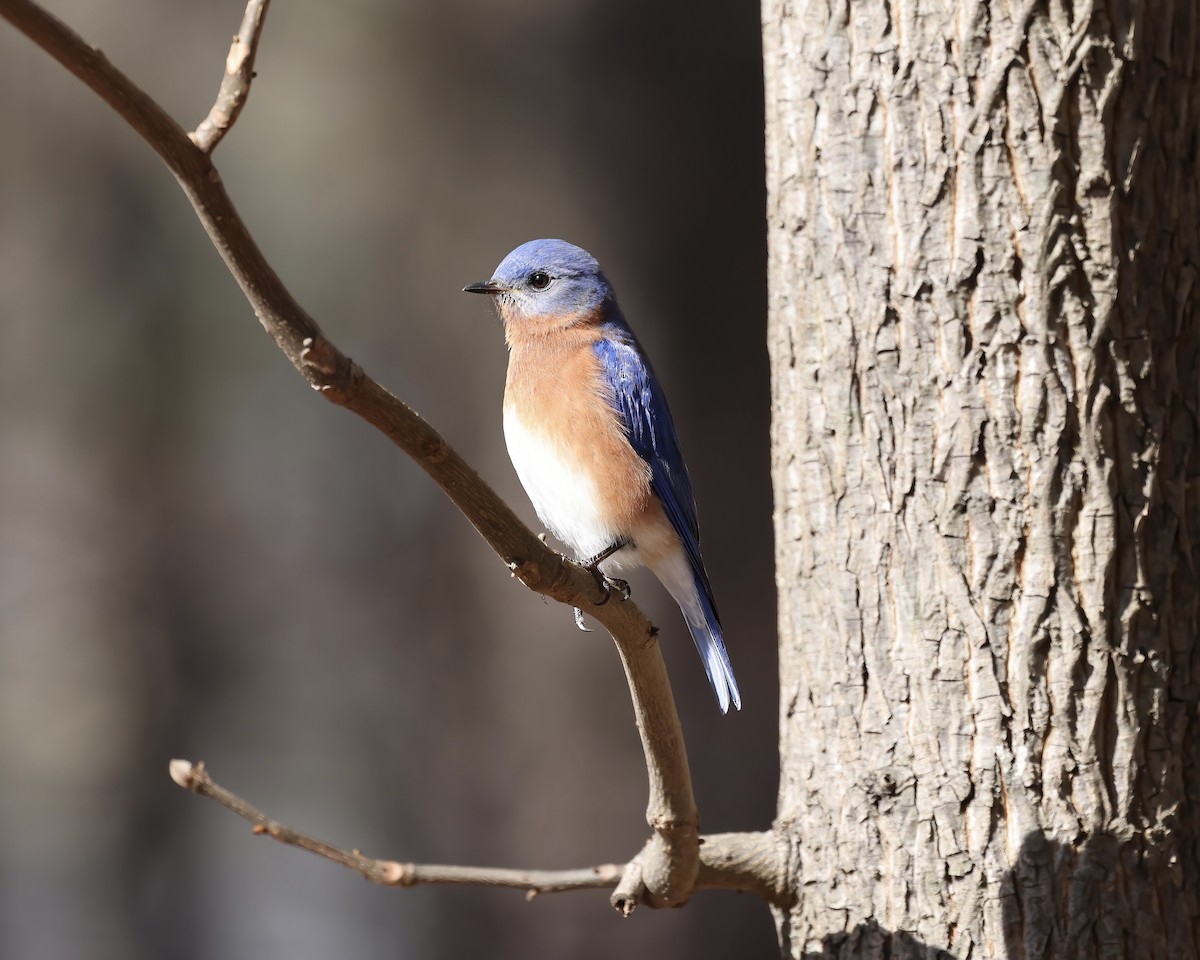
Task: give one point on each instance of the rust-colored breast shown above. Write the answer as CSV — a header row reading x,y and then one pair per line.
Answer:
x,y
556,387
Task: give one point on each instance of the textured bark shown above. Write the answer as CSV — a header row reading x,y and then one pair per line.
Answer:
x,y
983,252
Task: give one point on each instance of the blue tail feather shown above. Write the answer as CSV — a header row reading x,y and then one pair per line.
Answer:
x,y
706,632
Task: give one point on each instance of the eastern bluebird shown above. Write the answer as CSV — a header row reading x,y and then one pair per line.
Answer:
x,y
592,440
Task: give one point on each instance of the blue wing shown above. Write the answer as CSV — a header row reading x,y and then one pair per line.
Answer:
x,y
642,406
651,431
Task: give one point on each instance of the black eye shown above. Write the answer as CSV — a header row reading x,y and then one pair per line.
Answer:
x,y
539,280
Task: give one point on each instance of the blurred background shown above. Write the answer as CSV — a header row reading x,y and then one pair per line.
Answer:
x,y
200,558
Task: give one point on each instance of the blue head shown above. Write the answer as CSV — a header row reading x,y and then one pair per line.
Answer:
x,y
547,285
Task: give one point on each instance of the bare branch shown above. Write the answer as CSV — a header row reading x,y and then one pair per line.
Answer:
x,y
670,862
391,873
726,857
235,84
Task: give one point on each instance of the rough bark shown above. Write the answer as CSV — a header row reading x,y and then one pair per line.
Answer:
x,y
983,327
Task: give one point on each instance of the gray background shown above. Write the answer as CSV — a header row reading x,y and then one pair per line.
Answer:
x,y
200,558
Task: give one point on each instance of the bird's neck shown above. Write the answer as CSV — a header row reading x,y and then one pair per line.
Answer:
x,y
540,332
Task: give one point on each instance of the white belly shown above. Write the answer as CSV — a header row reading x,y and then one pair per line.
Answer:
x,y
565,499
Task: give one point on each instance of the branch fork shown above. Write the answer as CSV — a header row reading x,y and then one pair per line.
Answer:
x,y
733,861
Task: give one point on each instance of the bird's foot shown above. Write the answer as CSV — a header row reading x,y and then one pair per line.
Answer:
x,y
606,584
609,584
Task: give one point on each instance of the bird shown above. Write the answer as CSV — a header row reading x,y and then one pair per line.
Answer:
x,y
592,440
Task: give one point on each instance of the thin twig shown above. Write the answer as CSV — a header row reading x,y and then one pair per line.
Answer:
x,y
669,863
731,861
392,873
235,84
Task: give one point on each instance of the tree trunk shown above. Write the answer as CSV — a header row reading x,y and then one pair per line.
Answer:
x,y
983,240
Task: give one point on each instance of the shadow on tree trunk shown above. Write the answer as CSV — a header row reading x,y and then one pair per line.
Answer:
x,y
869,941
1058,902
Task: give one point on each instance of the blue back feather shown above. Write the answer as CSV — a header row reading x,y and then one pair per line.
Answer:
x,y
642,405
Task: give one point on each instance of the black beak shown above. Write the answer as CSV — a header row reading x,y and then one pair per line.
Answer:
x,y
487,286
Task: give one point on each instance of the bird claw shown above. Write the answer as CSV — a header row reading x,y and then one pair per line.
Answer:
x,y
607,585
621,586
